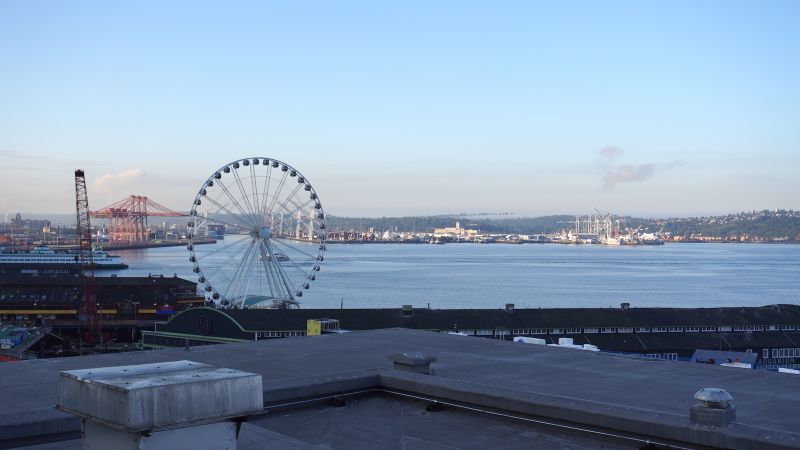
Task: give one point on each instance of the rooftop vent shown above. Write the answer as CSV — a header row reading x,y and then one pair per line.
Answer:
x,y
625,305
509,306
713,408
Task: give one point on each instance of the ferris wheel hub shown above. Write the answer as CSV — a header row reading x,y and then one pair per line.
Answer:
x,y
265,232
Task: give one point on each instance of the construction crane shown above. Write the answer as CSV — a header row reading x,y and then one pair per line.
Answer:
x,y
85,261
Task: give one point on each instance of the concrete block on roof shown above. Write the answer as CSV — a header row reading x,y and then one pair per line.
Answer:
x,y
419,362
151,396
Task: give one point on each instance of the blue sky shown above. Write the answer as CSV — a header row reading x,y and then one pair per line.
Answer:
x,y
392,108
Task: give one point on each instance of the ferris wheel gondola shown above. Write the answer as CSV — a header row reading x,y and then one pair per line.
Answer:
x,y
274,227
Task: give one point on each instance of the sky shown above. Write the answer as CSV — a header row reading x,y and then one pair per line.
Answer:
x,y
407,108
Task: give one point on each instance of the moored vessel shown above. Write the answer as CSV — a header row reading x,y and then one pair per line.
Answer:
x,y
44,257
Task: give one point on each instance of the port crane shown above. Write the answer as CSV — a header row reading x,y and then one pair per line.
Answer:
x,y
85,261
127,218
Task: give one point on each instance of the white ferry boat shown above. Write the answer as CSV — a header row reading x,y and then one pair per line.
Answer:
x,y
45,257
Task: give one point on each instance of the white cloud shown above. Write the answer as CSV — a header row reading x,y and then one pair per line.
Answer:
x,y
111,185
610,152
616,174
627,174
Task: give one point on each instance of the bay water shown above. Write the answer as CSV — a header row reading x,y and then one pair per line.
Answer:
x,y
530,275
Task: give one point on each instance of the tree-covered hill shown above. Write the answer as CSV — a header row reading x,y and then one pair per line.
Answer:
x,y
764,224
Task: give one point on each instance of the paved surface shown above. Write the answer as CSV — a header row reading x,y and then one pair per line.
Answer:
x,y
251,437
764,400
386,422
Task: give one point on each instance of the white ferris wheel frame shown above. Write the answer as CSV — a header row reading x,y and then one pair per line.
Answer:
x,y
263,215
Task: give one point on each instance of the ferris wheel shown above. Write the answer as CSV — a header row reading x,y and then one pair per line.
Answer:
x,y
270,230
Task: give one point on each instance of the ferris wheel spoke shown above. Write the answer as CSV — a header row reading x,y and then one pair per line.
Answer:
x,y
243,191
238,272
222,222
247,275
272,282
263,201
277,192
286,244
236,203
276,287
298,207
282,282
215,221
219,270
254,184
259,279
287,219
289,198
243,219
312,260
287,282
299,268
218,250
232,263
232,199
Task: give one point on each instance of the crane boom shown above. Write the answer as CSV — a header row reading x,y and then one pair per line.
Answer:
x,y
85,260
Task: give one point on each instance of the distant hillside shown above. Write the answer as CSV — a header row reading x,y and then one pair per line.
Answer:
x,y
766,224
522,225
780,224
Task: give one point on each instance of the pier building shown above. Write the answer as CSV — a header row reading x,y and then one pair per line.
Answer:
x,y
770,333
126,305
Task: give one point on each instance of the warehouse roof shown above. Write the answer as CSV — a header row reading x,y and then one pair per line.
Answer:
x,y
650,398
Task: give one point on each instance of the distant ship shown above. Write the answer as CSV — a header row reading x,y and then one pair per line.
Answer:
x,y
510,239
216,231
45,257
280,257
650,239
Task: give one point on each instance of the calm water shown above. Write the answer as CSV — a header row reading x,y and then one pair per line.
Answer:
x,y
549,275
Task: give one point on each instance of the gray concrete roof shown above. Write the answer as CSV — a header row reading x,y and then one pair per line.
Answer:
x,y
383,422
581,385
378,422
252,437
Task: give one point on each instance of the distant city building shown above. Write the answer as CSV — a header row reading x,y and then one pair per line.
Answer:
x,y
456,233
20,224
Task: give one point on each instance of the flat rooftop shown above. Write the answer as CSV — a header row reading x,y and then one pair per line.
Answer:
x,y
385,422
593,391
